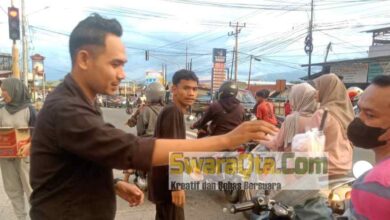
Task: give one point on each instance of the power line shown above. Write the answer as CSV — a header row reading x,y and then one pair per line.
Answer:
x,y
5,12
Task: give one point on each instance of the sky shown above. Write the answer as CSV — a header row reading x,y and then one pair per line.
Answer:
x,y
274,32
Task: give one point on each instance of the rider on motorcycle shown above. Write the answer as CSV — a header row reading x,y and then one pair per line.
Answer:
x,y
146,121
225,114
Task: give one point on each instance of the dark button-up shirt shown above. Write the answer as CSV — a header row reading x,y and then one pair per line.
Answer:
x,y
72,156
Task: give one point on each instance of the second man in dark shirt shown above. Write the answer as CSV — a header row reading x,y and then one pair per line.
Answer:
x,y
171,125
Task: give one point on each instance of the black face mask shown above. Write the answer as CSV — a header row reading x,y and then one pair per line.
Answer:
x,y
364,136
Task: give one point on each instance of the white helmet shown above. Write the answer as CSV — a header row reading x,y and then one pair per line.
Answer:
x,y
155,92
354,93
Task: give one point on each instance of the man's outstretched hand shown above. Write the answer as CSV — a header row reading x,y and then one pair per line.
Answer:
x,y
129,192
250,131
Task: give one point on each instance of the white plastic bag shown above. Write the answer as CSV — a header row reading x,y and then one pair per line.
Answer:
x,y
311,141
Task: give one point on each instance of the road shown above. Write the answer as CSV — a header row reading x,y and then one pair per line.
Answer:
x,y
200,204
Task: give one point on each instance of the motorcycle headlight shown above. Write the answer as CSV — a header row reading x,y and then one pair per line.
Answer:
x,y
334,197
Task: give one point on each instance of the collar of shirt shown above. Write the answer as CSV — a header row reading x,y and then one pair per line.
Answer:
x,y
75,89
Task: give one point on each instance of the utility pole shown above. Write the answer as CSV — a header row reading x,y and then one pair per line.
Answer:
x,y
250,71
250,68
165,74
25,46
238,28
309,39
186,57
329,47
231,69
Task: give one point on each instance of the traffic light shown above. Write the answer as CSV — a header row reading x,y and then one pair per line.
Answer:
x,y
13,23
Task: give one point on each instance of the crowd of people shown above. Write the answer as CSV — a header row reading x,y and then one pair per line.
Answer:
x,y
73,150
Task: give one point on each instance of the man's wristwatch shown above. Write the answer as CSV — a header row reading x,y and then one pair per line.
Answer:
x,y
116,180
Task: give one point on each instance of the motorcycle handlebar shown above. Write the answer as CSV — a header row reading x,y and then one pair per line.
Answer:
x,y
241,207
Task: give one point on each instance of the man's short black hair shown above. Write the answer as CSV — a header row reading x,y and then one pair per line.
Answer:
x,y
263,93
382,80
184,74
92,31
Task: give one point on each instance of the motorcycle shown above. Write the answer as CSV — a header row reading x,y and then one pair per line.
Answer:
x,y
259,204
234,196
249,194
140,178
130,108
264,207
340,192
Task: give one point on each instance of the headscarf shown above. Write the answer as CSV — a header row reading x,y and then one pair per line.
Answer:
x,y
302,100
333,96
18,93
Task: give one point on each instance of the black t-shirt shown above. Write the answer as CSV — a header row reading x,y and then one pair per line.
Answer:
x,y
170,125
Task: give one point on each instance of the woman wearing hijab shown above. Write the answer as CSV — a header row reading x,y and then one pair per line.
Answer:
x,y
303,101
16,113
308,204
332,96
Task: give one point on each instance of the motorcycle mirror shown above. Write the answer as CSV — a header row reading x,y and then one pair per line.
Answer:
x,y
360,167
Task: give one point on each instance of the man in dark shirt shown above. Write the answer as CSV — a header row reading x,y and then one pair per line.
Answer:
x,y
74,151
170,124
225,114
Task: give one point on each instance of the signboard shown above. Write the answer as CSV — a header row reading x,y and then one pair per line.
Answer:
x,y
379,68
5,62
218,71
37,63
219,55
154,76
352,72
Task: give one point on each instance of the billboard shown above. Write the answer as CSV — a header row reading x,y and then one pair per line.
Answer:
x,y
154,76
352,72
218,71
379,68
219,55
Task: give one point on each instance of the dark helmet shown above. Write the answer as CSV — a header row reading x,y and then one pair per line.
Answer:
x,y
155,92
227,89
